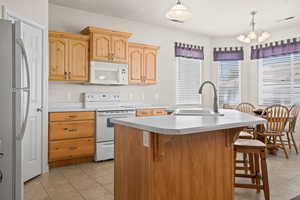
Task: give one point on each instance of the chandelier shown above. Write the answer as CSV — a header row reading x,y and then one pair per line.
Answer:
x,y
178,13
253,35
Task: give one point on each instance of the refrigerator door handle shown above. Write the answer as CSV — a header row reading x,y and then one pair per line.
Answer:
x,y
24,54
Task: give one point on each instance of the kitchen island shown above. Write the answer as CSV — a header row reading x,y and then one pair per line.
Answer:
x,y
177,157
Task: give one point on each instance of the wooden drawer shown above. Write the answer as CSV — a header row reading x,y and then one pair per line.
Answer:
x,y
159,112
144,113
71,116
71,130
69,149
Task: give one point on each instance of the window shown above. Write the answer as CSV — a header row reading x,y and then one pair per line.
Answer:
x,y
229,82
188,80
279,80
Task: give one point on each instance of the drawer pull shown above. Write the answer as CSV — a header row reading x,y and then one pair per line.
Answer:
x,y
73,148
72,130
72,116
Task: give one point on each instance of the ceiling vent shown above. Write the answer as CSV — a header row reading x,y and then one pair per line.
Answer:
x,y
286,19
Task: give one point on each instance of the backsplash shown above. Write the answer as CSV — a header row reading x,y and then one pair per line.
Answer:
x,y
72,93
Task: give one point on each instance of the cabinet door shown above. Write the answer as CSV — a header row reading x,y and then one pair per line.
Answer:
x,y
78,64
149,69
135,64
58,59
100,47
119,49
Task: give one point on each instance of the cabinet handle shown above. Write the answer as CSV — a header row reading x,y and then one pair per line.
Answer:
x,y
69,75
72,116
73,148
73,130
66,75
112,56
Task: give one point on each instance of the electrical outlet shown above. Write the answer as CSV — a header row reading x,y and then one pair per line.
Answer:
x,y
146,138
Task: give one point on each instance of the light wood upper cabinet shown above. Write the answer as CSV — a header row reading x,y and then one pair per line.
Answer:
x,y
135,64
119,49
150,65
68,57
108,45
58,58
78,59
101,45
142,63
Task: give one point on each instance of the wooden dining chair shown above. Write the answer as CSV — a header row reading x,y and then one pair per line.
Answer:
x,y
245,107
290,129
247,133
277,116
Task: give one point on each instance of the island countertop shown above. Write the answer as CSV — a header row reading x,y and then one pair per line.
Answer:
x,y
180,125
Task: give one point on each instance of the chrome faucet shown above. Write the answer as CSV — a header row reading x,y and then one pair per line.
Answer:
x,y
215,94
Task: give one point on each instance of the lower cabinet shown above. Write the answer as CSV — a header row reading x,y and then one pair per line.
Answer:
x,y
71,138
69,149
150,112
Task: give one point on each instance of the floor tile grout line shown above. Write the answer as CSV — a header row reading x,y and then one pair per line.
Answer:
x,y
98,183
74,186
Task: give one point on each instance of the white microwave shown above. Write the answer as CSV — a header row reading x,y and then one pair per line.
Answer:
x,y
103,73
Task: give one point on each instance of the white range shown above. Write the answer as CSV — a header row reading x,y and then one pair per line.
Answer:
x,y
108,106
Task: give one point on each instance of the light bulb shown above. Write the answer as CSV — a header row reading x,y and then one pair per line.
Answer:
x,y
241,38
265,35
261,39
252,35
247,40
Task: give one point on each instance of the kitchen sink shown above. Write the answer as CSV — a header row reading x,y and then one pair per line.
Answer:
x,y
196,112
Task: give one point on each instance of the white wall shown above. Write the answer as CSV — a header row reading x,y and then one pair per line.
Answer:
x,y
73,20
34,10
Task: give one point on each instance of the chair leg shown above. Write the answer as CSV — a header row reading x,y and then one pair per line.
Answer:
x,y
283,147
257,172
235,155
294,142
251,165
289,140
265,179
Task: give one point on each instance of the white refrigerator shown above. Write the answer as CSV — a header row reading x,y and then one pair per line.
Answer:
x,y
15,106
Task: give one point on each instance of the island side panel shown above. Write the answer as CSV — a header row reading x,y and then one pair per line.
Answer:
x,y
194,166
132,165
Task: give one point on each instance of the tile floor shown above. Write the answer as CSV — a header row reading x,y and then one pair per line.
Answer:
x,y
94,181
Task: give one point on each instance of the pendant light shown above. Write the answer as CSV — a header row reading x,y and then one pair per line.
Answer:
x,y
178,13
253,35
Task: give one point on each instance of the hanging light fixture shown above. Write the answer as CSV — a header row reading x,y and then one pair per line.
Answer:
x,y
253,35
178,13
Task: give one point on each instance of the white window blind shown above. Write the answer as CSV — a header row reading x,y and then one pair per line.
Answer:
x,y
229,82
188,80
279,80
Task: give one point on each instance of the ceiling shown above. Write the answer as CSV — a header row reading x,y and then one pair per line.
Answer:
x,y
209,17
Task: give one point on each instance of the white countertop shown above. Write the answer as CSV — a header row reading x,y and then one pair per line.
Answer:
x,y
180,125
72,107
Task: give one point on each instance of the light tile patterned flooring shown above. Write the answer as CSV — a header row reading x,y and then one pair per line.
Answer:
x,y
94,181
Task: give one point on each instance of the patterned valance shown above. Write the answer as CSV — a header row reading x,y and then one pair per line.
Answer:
x,y
189,51
228,54
278,48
